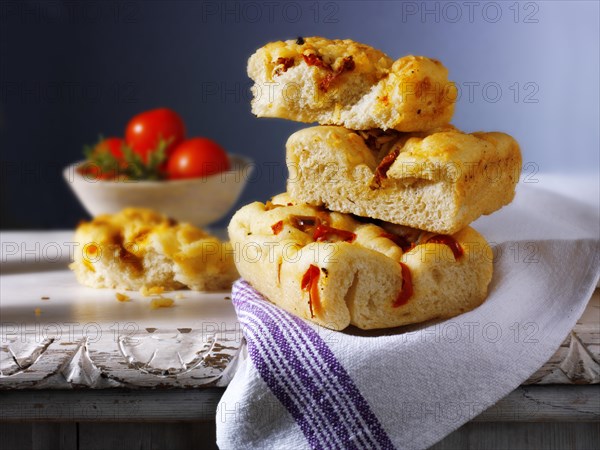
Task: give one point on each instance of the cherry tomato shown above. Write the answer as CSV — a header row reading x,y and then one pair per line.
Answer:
x,y
197,157
113,145
145,130
95,169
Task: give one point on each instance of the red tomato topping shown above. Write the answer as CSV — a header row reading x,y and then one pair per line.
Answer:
x,y
310,283
277,227
384,166
286,62
407,287
457,250
346,66
315,60
327,233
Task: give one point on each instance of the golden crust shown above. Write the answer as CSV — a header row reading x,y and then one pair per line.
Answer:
x,y
131,225
439,181
139,248
359,280
368,61
454,151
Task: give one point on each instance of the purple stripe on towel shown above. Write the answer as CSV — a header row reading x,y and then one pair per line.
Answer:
x,y
282,392
347,411
315,417
250,307
329,409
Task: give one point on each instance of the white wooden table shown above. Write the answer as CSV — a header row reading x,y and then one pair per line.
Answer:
x,y
83,392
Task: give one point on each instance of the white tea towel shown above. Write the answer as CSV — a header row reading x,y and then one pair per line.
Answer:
x,y
303,386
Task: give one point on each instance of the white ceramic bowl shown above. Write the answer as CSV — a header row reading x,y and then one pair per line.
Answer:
x,y
199,201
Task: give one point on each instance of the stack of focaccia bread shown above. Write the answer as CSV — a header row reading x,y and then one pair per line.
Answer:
x,y
373,230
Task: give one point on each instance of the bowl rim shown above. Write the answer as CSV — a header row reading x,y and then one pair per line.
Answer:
x,y
239,164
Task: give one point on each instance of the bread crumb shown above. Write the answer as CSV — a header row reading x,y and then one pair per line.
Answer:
x,y
161,302
38,312
154,290
122,297
45,298
88,265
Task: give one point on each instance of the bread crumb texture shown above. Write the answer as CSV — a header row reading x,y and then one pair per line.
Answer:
x,y
161,302
122,297
149,291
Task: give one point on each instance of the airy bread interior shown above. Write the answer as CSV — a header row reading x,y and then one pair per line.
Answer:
x,y
440,181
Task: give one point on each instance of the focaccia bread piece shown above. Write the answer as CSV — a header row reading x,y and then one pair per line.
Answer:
x,y
139,248
438,181
342,82
336,270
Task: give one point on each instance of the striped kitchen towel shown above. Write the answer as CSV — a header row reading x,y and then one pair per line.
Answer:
x,y
303,386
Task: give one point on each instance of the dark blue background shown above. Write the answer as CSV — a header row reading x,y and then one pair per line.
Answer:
x,y
69,71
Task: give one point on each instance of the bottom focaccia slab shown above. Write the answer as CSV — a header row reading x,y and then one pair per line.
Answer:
x,y
337,270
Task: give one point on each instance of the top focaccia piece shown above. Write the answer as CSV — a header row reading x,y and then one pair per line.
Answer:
x,y
342,82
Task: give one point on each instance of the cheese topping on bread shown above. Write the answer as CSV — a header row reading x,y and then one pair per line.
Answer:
x,y
139,249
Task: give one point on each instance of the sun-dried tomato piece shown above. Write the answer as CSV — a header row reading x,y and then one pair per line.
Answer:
x,y
325,233
312,59
456,248
277,227
326,81
286,62
384,166
346,66
310,283
407,287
